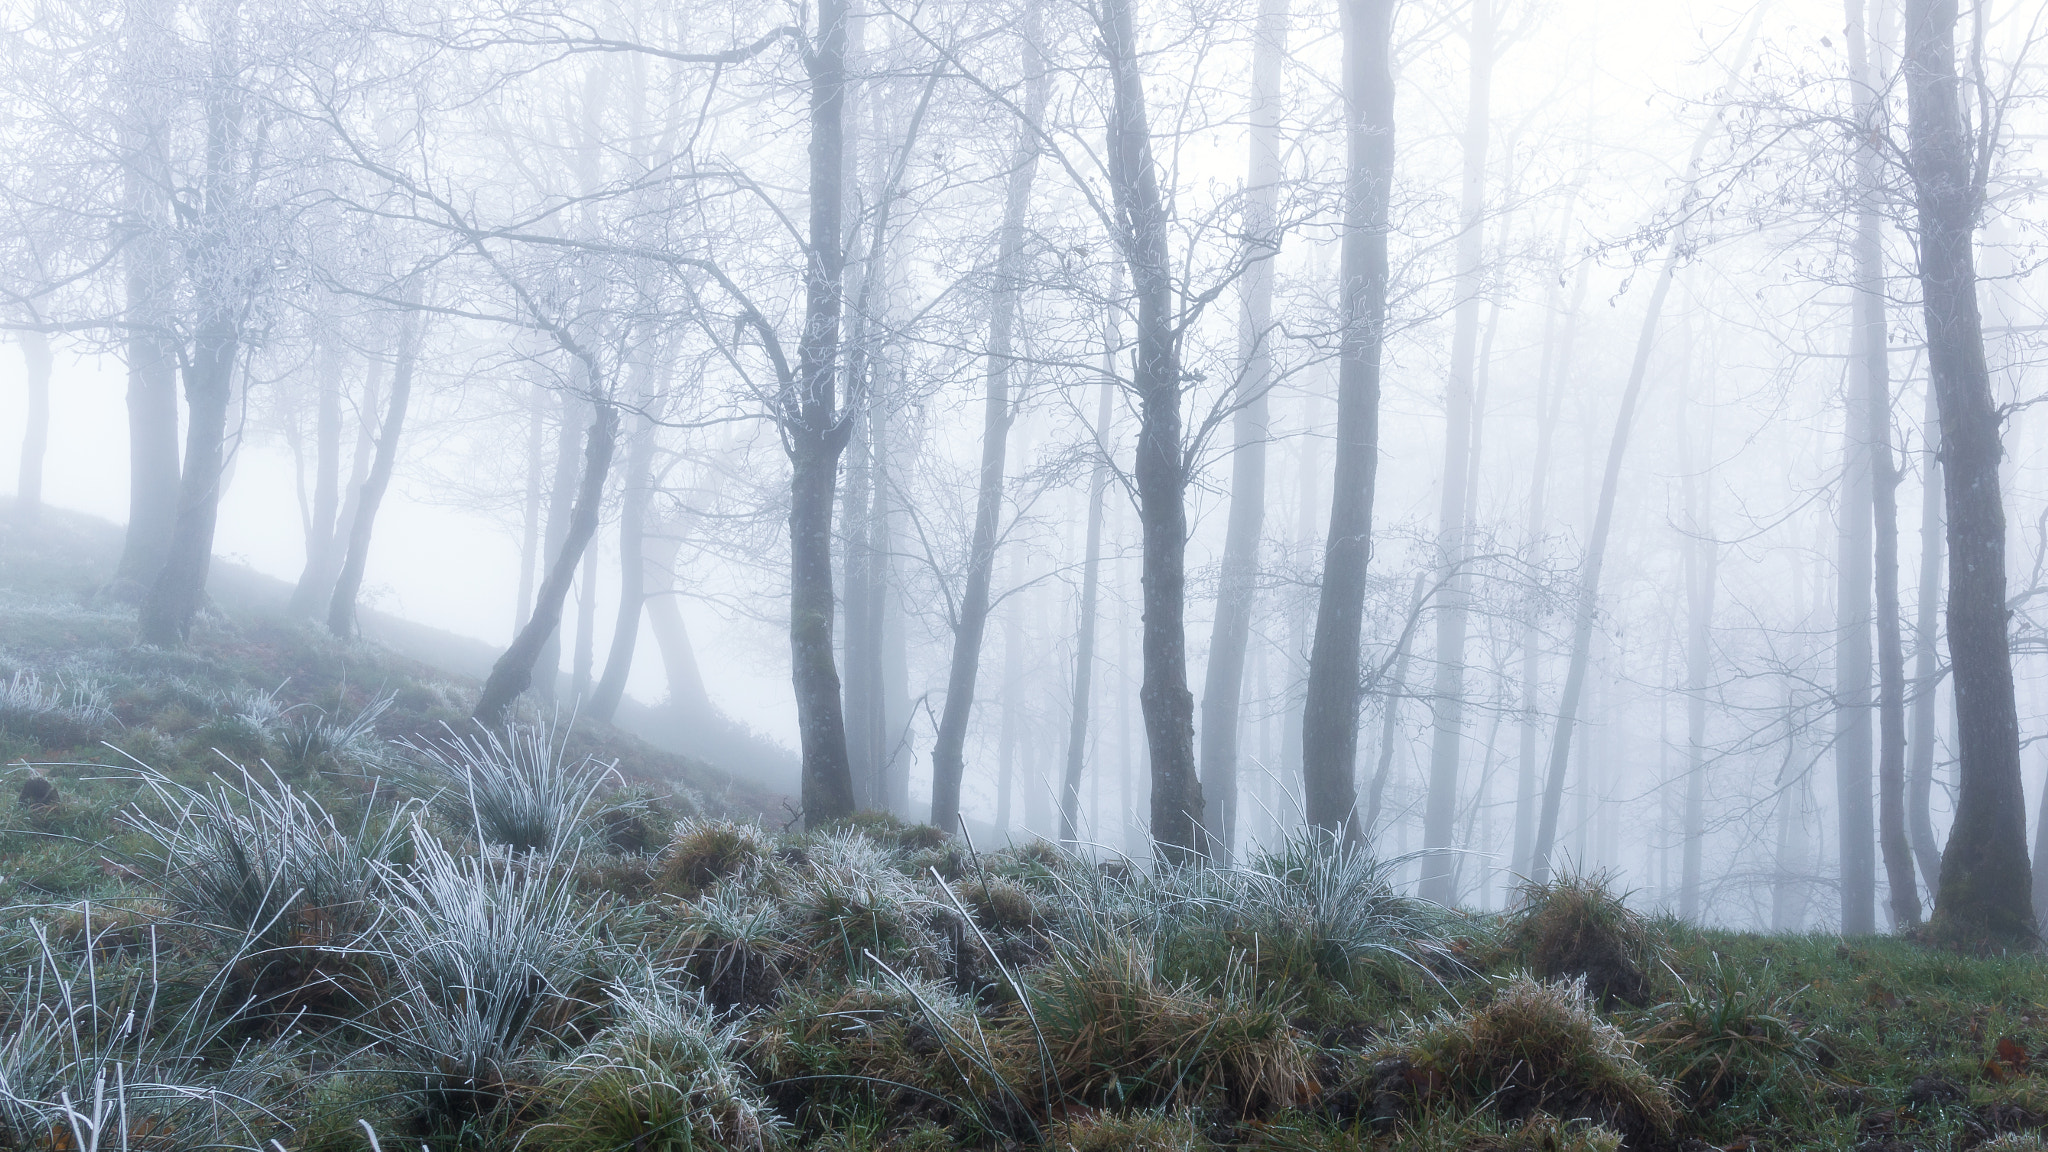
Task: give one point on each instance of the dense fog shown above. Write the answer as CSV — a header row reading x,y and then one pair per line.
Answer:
x,y
1516,435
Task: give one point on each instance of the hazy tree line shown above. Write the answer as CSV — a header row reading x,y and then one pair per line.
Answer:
x,y
1524,482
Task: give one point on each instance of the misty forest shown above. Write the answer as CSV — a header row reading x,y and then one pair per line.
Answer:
x,y
1299,575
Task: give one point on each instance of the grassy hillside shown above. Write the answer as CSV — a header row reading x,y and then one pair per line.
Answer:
x,y
294,911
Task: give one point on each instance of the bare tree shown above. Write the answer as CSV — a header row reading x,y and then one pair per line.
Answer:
x,y
1329,722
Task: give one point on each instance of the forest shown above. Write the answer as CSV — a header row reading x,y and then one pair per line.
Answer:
x,y
911,575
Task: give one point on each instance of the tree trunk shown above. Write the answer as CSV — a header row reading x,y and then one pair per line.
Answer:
x,y
585,654
1237,588
1329,721
618,662
1870,387
997,413
1084,644
35,436
341,611
1603,516
1927,670
1161,473
1391,696
529,528
514,671
1454,543
861,636
1554,382
687,698
153,470
1857,840
1702,559
1986,881
561,511
816,435
321,529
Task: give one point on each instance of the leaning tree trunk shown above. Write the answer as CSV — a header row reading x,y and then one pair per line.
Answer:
x,y
1454,529
561,510
816,436
1161,473
341,611
1603,515
1870,387
618,661
1237,589
1329,715
948,746
1391,695
1986,881
688,701
1927,657
513,673
1084,644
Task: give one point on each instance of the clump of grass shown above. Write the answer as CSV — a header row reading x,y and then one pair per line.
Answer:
x,y
62,714
731,944
317,742
263,862
520,789
490,954
1533,1047
704,853
1577,927
1725,1035
1129,1132
1114,1035
661,1078
852,908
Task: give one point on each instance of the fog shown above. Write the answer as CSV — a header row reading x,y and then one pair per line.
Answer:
x,y
1606,332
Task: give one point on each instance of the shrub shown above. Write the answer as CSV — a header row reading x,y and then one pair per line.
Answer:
x,y
1576,927
660,1078
1534,1047
731,944
519,790
849,903
58,715
318,743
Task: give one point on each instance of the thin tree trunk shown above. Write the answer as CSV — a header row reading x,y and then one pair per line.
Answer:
x,y
35,436
1856,832
816,436
687,699
1986,880
1603,517
1870,385
1553,382
561,511
1012,724
1927,657
948,760
1163,697
1237,589
618,663
1702,559
322,533
1447,696
1390,711
585,653
1084,645
514,671
1329,723
861,632
529,528
341,610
